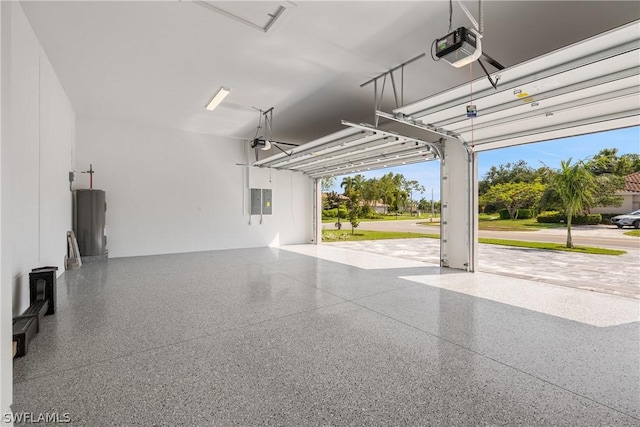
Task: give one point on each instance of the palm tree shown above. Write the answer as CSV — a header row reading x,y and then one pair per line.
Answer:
x,y
347,184
575,186
358,184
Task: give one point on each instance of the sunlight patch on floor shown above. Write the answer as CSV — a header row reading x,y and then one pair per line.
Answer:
x,y
592,308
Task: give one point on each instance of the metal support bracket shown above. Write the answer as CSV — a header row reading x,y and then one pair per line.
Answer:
x,y
398,94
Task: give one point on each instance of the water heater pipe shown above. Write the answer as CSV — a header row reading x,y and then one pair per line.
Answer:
x,y
90,172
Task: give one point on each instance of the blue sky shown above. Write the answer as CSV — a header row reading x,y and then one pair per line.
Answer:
x,y
550,153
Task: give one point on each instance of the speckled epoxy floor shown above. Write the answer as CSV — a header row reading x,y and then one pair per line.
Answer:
x,y
277,336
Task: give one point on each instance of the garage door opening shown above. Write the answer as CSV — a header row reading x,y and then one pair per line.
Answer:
x,y
519,206
586,88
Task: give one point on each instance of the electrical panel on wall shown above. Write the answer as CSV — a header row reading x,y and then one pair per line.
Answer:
x,y
256,201
261,201
266,201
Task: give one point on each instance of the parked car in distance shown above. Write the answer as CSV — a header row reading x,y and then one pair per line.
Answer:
x,y
631,220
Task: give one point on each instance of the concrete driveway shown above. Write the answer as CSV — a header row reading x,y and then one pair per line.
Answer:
x,y
617,275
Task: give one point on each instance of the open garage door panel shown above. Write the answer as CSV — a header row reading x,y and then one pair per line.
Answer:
x,y
588,87
357,149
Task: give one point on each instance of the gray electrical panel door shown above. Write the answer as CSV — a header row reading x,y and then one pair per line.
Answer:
x,y
256,201
89,222
266,202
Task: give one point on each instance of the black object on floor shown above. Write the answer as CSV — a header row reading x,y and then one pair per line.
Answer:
x,y
24,328
42,286
42,297
37,310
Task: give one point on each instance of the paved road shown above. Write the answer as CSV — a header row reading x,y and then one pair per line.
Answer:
x,y
606,236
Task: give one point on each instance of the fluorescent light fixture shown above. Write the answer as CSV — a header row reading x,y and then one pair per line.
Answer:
x,y
217,98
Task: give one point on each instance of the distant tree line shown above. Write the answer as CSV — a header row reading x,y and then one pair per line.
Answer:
x,y
574,188
514,186
360,195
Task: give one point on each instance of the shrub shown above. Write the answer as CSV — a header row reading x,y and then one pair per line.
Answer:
x,y
329,213
504,214
490,209
335,236
550,217
606,217
333,213
590,219
524,213
369,213
561,217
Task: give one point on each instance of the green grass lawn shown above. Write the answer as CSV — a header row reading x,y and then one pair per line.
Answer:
x,y
424,216
633,233
393,217
486,222
345,235
488,217
342,235
551,246
434,223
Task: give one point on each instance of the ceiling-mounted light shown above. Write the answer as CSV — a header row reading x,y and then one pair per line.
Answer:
x,y
217,98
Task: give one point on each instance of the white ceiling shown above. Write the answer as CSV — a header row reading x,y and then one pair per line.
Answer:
x,y
589,86
159,63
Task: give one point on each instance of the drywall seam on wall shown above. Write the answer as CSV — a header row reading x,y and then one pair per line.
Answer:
x,y
39,157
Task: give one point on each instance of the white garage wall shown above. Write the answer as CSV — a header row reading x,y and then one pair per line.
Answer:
x,y
21,160
36,160
171,191
56,157
38,126
6,364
